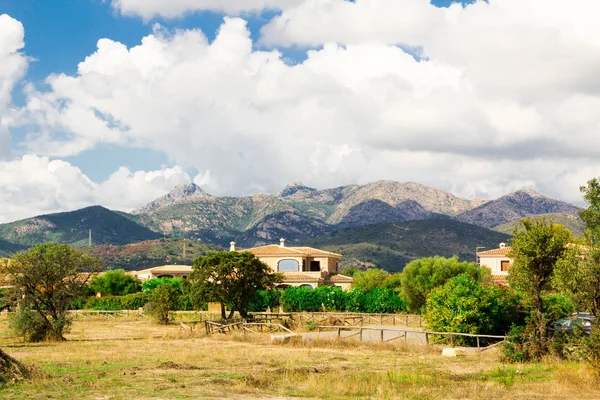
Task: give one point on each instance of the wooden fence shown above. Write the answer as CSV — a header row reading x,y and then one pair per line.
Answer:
x,y
347,319
429,338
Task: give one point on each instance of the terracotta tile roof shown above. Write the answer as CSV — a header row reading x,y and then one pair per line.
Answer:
x,y
502,251
500,278
339,278
276,250
182,269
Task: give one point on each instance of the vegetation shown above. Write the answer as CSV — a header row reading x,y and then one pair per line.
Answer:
x,y
232,278
150,253
46,279
571,221
392,246
164,363
108,227
464,305
115,283
162,301
420,277
375,278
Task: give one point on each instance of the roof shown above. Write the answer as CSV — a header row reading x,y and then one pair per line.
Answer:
x,y
339,278
165,269
500,278
502,251
275,250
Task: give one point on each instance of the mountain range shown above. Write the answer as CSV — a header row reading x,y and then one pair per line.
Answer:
x,y
302,214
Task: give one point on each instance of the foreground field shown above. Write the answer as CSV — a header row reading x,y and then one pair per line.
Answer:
x,y
135,359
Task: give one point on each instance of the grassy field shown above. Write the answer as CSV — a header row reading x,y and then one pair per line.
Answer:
x,y
135,359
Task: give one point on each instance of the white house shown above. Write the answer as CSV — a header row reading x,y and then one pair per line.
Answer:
x,y
497,261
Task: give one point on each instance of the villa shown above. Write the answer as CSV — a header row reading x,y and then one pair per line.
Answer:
x,y
497,261
300,266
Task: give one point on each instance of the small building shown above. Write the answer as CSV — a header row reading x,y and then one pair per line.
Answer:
x,y
497,261
301,266
166,271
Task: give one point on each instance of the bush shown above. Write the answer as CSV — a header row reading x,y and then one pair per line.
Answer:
x,y
117,303
557,306
30,325
420,277
163,300
265,299
463,305
115,283
152,284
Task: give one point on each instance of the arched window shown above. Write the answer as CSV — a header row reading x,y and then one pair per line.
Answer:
x,y
307,285
288,266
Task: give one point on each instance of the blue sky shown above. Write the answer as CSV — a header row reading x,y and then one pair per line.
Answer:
x,y
479,99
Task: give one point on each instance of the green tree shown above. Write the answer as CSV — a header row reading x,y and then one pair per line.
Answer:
x,y
115,283
591,215
369,279
229,277
536,250
464,305
163,299
578,276
420,277
46,279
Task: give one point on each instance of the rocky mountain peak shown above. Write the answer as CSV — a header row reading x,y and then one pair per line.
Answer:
x,y
296,187
187,192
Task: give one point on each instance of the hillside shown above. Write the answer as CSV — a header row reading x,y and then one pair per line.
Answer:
x,y
7,248
391,246
571,221
150,253
513,207
188,211
107,227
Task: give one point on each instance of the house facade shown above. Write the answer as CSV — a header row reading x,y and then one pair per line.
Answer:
x,y
166,271
301,266
497,261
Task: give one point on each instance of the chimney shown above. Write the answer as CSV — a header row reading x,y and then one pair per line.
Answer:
x,y
232,246
282,242
502,245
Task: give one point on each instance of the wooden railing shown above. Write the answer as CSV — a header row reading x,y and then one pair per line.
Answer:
x,y
347,319
430,338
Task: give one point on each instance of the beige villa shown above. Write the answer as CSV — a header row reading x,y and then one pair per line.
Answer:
x,y
300,266
497,261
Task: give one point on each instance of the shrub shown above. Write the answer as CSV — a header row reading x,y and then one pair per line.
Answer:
x,y
152,284
115,283
116,303
420,277
557,306
265,299
163,300
30,325
464,305
383,301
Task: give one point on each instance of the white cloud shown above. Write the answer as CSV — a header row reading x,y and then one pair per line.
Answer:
x,y
502,99
148,9
35,185
13,66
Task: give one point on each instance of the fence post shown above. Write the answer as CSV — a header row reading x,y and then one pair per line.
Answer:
x,y
339,332
478,342
427,338
380,319
361,334
452,340
381,334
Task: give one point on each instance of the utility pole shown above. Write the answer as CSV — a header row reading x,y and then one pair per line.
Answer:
x,y
90,238
183,249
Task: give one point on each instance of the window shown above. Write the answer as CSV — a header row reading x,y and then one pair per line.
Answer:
x,y
504,265
288,266
315,266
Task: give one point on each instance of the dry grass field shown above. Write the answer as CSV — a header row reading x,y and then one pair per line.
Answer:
x,y
131,358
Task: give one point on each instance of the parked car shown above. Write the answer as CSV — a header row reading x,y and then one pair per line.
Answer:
x,y
585,320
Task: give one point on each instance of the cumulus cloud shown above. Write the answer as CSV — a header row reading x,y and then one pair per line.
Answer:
x,y
13,66
34,185
148,9
501,95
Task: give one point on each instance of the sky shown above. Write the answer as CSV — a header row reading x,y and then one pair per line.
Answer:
x,y
114,102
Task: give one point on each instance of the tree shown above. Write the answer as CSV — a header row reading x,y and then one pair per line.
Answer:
x,y
420,277
369,279
163,300
464,305
46,279
232,278
115,283
591,215
577,275
536,250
